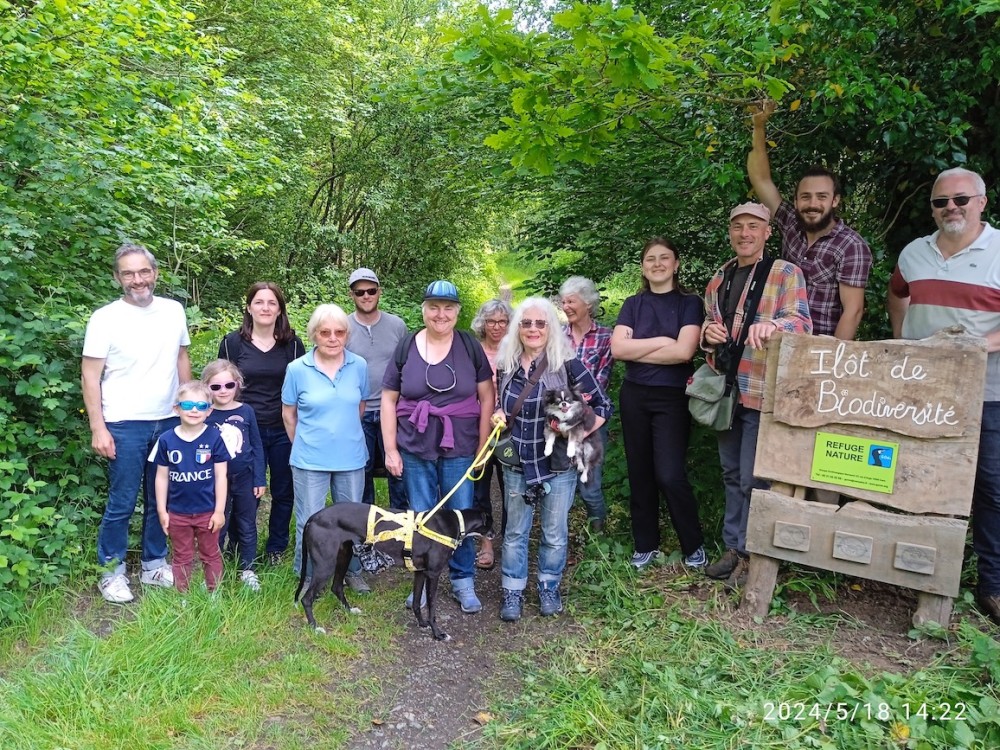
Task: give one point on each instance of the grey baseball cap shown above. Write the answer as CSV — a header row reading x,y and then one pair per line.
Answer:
x,y
362,274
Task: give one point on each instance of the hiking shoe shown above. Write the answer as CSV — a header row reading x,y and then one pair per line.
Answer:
x,y
511,605
423,600
549,601
468,599
697,559
596,525
161,576
115,589
721,569
274,558
989,605
250,580
357,583
641,559
738,578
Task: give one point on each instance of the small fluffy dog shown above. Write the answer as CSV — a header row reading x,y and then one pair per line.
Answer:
x,y
569,416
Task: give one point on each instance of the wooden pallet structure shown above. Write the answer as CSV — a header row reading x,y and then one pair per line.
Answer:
x,y
870,448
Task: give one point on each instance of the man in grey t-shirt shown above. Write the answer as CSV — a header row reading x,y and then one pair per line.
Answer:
x,y
375,335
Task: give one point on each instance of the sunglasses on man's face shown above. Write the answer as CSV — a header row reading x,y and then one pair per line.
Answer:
x,y
189,405
362,292
539,324
958,200
219,386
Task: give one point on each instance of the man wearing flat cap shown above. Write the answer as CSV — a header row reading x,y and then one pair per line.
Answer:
x,y
747,300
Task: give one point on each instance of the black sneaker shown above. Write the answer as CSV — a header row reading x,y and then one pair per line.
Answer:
x,y
274,558
549,601
511,605
738,578
722,568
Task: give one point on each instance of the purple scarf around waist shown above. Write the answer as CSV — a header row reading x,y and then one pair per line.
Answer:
x,y
420,412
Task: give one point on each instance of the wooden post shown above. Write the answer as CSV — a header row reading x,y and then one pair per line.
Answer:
x,y
759,591
932,608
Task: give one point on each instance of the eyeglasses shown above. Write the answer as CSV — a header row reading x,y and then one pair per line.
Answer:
x,y
219,386
496,323
427,378
145,273
958,200
189,405
371,292
539,324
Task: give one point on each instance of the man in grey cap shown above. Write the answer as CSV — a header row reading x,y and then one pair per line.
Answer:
x,y
374,336
746,302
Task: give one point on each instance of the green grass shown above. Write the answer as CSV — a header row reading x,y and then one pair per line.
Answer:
x,y
190,671
650,669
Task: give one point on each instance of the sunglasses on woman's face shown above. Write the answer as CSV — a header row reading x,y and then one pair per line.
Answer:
x,y
219,386
189,405
539,324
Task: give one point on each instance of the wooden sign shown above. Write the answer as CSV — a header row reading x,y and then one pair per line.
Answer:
x,y
919,402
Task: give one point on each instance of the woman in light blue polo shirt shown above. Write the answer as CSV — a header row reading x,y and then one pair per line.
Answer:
x,y
322,401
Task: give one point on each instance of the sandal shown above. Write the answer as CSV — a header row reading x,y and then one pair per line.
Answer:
x,y
486,560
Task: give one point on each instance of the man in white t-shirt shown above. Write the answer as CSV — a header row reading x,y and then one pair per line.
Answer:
x,y
134,356
952,277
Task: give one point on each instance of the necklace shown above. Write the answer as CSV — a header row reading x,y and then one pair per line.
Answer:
x,y
264,344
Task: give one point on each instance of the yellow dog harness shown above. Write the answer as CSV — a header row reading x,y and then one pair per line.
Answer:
x,y
403,526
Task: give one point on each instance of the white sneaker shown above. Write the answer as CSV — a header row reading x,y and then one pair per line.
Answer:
x,y
115,589
250,580
161,576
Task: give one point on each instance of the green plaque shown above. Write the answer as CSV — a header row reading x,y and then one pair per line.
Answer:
x,y
855,462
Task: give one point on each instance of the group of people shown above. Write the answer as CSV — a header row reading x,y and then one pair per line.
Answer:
x,y
370,394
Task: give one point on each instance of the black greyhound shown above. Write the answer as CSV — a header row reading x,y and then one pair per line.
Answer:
x,y
329,537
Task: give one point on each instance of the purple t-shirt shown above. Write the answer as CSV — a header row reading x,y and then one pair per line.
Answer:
x,y
650,315
455,378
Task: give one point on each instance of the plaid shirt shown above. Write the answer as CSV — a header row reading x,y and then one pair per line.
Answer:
x,y
528,429
783,301
594,350
841,256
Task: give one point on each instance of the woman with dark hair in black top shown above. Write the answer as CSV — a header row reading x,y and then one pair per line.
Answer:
x,y
656,336
262,349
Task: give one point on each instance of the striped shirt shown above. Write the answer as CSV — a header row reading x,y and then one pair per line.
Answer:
x,y
841,256
783,302
961,290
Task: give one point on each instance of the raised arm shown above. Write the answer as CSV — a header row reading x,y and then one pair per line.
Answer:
x,y
758,164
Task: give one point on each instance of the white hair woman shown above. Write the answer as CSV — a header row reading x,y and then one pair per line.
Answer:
x,y
592,342
322,402
490,326
534,356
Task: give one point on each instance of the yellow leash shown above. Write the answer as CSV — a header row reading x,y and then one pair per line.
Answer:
x,y
408,522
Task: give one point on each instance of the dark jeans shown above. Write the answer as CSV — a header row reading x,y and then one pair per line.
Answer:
x,y
241,518
655,426
127,472
482,499
371,423
737,452
986,502
277,452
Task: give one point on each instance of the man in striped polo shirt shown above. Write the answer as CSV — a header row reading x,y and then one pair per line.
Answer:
x,y
952,277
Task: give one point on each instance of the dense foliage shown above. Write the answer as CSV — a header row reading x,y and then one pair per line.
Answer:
x,y
296,140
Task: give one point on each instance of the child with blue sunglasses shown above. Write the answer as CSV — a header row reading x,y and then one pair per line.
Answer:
x,y
191,465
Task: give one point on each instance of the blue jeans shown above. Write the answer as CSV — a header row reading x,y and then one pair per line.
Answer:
x,y
986,502
371,423
127,471
554,509
591,491
426,483
277,453
311,488
241,517
737,451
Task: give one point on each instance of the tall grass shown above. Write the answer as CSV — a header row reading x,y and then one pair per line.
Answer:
x,y
191,671
654,669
